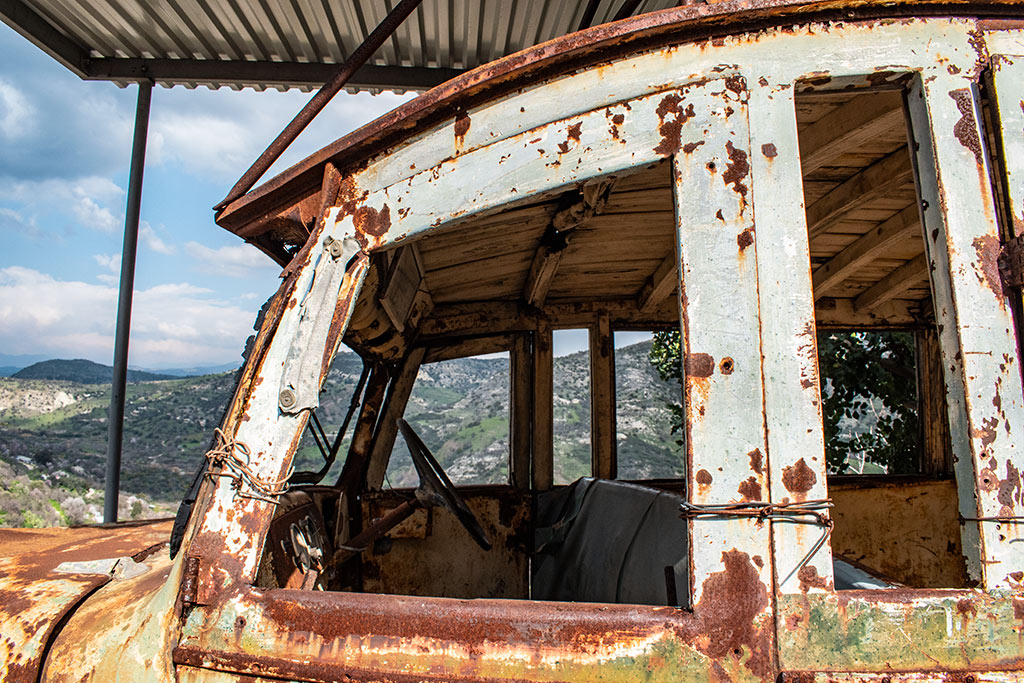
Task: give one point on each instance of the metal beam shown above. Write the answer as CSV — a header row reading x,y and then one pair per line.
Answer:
x,y
335,83
262,73
115,418
43,35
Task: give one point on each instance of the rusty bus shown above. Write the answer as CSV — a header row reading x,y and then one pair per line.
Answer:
x,y
749,173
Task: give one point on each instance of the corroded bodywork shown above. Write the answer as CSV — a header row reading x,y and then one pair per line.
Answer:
x,y
711,89
48,573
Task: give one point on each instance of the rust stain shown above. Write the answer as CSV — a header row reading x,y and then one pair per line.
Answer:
x,y
726,366
809,578
704,478
737,169
689,147
798,478
745,238
728,612
672,117
966,608
699,365
986,432
1009,489
573,134
371,221
768,149
756,460
965,129
987,249
750,489
736,83
462,123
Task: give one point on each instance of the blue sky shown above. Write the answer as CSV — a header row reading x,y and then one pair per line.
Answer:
x,y
64,152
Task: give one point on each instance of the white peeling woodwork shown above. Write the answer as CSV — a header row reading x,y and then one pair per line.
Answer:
x,y
723,396
976,333
795,455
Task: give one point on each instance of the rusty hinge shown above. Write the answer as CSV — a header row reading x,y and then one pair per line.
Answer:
x,y
1011,263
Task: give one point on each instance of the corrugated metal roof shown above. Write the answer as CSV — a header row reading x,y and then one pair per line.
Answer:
x,y
294,43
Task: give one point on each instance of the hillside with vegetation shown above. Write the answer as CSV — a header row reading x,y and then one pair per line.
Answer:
x,y
53,433
82,372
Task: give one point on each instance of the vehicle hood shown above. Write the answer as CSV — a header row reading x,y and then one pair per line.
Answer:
x,y
46,573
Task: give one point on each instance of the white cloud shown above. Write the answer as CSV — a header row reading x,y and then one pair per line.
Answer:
x,y
171,323
15,222
240,260
92,215
218,134
16,114
151,241
111,262
87,198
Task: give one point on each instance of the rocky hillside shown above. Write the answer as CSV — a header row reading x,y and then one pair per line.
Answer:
x,y
53,433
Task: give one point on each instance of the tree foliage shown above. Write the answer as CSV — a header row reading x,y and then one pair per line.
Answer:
x,y
869,398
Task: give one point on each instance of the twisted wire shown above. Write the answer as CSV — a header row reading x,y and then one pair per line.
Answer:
x,y
799,512
232,457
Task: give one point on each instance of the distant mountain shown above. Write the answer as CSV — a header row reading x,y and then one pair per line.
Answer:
x,y
460,408
82,371
8,370
195,371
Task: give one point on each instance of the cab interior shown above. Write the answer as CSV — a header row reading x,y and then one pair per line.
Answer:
x,y
603,258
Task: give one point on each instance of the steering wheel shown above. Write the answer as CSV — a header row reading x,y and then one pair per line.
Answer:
x,y
437,486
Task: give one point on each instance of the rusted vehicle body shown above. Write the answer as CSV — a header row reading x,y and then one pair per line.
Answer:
x,y
748,173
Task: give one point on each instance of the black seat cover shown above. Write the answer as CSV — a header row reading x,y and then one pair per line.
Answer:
x,y
608,541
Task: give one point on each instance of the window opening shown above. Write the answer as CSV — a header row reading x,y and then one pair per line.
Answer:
x,y
648,406
883,396
460,408
335,399
869,399
571,405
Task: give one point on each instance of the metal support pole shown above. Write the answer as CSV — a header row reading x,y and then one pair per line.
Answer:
x,y
115,420
331,88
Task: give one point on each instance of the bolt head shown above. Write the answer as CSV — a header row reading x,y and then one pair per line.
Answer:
x,y
287,398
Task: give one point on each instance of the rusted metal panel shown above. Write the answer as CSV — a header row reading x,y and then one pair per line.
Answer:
x,y
35,594
902,630
978,346
125,631
913,677
443,560
648,107
697,22
1008,84
234,519
907,530
320,636
723,396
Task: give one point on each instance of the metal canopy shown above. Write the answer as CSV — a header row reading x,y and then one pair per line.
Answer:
x,y
294,43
